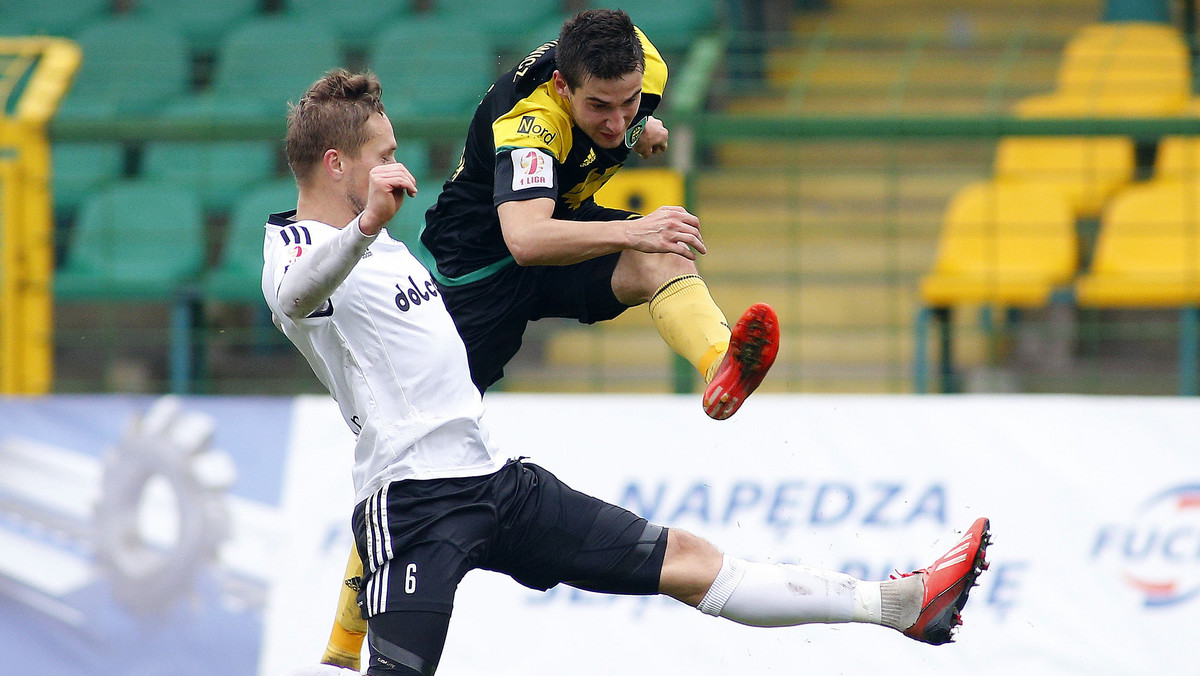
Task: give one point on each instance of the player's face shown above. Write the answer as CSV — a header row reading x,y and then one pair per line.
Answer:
x,y
603,109
380,148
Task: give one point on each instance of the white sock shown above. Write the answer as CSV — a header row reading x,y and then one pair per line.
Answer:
x,y
781,595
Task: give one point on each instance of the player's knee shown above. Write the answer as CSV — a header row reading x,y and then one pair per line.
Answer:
x,y
406,643
689,567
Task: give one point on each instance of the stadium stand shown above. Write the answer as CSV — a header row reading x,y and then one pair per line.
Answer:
x,y
131,66
672,25
39,17
261,66
1087,170
237,274
218,171
355,21
204,24
423,77
506,25
133,241
80,169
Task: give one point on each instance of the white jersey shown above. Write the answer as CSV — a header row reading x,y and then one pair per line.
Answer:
x,y
382,342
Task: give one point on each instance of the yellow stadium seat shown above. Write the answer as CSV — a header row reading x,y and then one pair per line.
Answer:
x,y
1178,159
1148,256
1086,170
1118,69
642,190
1148,249
1004,243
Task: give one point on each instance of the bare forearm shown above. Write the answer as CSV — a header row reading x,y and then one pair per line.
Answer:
x,y
552,241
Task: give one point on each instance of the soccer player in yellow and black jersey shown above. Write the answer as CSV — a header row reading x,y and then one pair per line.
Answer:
x,y
516,235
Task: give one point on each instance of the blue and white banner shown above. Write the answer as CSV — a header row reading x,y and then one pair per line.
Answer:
x,y
208,535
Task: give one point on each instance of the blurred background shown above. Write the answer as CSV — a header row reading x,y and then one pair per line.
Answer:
x,y
936,195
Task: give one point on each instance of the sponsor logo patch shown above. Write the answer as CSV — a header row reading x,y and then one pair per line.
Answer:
x,y
531,126
532,168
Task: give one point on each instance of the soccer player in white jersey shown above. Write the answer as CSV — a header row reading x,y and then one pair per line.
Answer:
x,y
432,489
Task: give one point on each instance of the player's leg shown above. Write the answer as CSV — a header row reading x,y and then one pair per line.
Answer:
x,y
417,540
349,627
925,604
732,362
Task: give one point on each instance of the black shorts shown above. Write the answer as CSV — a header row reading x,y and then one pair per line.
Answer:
x,y
491,313
417,539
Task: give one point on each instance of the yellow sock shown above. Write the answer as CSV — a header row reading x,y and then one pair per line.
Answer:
x,y
691,323
349,627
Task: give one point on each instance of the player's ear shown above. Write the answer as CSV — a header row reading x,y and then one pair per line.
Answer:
x,y
560,84
331,162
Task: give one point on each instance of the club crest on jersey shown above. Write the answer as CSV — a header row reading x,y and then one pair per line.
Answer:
x,y
634,133
531,126
532,168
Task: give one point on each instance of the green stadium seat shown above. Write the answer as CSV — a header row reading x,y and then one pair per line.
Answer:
x,y
407,224
414,154
422,77
42,17
672,25
134,241
131,66
204,24
80,169
264,63
218,171
238,274
355,21
140,242
505,24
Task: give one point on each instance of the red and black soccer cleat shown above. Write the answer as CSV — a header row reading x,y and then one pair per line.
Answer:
x,y
753,346
947,583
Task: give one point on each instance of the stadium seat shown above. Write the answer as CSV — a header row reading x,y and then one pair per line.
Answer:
x,y
672,25
263,64
506,25
642,190
218,171
81,168
408,223
203,24
355,21
1148,249
1003,244
133,241
1118,69
238,273
1148,256
131,66
1178,159
1086,170
422,77
143,243
41,17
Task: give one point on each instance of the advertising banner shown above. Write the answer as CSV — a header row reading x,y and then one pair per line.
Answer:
x,y
208,535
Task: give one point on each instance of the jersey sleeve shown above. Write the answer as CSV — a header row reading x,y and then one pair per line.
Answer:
x,y
311,261
531,140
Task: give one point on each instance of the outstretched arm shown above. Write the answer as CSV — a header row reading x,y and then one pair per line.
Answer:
x,y
535,237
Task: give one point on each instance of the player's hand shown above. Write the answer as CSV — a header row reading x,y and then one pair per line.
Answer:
x,y
667,230
388,185
653,139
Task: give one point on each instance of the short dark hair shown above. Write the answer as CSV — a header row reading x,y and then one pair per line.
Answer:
x,y
600,43
332,114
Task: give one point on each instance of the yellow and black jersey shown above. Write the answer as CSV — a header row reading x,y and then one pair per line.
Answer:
x,y
522,144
